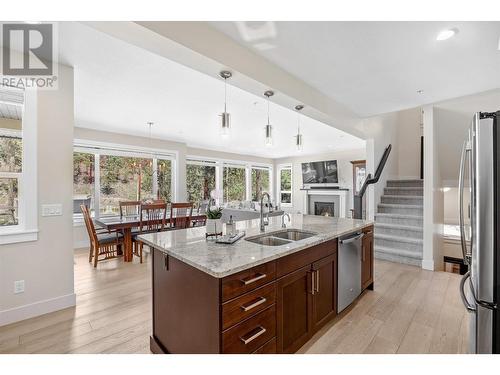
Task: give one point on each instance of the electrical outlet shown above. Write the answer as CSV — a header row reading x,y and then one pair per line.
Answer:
x,y
18,286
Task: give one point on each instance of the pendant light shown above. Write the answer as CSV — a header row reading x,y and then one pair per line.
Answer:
x,y
298,137
269,127
225,125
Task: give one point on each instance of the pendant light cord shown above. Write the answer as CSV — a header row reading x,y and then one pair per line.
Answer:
x,y
225,94
268,123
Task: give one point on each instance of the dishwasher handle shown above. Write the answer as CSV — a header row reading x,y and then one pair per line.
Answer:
x,y
358,236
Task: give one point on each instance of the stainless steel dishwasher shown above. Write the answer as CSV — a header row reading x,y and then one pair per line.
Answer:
x,y
349,270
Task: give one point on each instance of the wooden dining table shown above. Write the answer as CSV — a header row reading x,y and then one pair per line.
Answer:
x,y
126,224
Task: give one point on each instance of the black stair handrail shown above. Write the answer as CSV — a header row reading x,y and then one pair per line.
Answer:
x,y
369,180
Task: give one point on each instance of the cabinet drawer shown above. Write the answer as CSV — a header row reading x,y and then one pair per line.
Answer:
x,y
245,281
249,304
268,348
251,334
304,257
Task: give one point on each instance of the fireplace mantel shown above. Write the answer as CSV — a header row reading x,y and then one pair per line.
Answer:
x,y
343,194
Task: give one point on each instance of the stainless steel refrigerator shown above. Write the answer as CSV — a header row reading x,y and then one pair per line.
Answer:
x,y
479,191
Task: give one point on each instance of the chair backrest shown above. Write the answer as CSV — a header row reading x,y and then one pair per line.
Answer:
x,y
153,216
180,215
129,208
159,201
89,224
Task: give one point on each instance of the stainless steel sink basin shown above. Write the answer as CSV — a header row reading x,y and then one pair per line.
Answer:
x,y
281,237
268,240
293,234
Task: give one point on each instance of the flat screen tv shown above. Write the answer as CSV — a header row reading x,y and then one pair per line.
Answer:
x,y
320,172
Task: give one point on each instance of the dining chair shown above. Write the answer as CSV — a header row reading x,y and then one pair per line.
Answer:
x,y
180,215
152,219
202,210
102,242
129,208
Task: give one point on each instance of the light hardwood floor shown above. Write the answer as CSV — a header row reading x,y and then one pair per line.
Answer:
x,y
410,311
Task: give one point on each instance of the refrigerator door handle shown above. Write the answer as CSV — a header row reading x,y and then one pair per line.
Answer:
x,y
470,308
461,178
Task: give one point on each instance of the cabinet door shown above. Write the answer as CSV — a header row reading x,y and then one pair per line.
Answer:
x,y
324,298
293,302
367,260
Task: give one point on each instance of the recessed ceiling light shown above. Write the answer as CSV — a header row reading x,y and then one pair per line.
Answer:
x,y
446,34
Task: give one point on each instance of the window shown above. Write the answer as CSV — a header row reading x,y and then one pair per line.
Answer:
x,y
164,178
260,182
285,186
200,181
11,154
102,177
18,165
83,181
234,183
123,178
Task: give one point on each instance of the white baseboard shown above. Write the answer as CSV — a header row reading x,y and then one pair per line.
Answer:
x,y
35,309
428,264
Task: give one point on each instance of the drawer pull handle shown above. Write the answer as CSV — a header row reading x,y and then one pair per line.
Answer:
x,y
253,305
261,331
259,276
317,281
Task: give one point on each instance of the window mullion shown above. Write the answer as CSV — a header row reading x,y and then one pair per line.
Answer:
x,y
97,185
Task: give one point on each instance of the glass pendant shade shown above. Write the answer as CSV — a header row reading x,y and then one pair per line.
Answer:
x,y
298,142
225,126
269,135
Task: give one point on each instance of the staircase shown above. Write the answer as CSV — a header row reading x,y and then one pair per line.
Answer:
x,y
399,222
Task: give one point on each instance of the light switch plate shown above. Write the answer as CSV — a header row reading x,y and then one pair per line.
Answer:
x,y
18,286
52,209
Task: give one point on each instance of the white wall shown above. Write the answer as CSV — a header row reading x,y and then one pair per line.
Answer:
x,y
381,131
46,265
409,131
453,119
344,165
433,195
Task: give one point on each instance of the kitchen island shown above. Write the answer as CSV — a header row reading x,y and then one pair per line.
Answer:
x,y
266,293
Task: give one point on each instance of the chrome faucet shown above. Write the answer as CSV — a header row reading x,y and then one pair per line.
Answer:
x,y
262,227
283,225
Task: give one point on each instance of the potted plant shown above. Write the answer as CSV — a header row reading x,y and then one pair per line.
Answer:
x,y
214,222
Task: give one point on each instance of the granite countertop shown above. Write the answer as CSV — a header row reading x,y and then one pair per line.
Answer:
x,y
221,260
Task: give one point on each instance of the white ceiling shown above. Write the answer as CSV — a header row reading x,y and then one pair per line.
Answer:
x,y
119,87
377,67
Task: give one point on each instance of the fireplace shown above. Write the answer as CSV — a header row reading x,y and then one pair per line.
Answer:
x,y
336,199
324,208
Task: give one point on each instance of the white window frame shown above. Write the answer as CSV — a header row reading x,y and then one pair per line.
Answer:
x,y
27,227
280,168
220,163
102,148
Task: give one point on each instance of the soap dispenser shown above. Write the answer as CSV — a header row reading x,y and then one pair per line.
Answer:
x,y
230,226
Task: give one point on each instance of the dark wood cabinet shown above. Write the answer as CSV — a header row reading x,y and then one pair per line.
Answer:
x,y
324,297
367,259
293,301
273,307
307,298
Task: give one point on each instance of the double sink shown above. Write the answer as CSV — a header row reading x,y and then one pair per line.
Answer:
x,y
282,237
